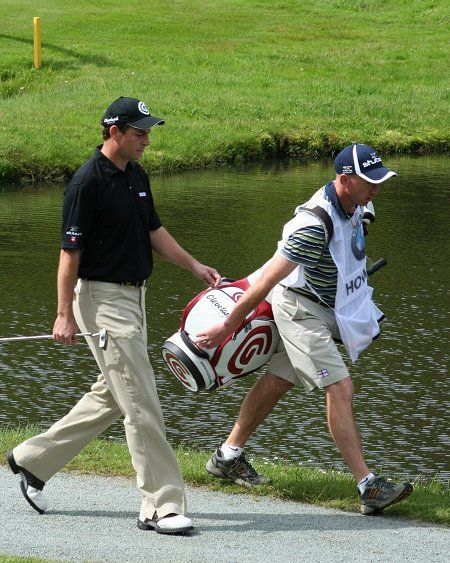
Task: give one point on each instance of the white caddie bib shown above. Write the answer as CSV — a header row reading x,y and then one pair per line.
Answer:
x,y
356,315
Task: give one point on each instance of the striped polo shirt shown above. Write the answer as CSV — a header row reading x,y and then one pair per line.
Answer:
x,y
306,246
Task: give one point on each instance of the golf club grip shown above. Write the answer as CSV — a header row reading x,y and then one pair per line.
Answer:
x,y
376,266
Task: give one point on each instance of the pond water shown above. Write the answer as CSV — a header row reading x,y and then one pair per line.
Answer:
x,y
232,219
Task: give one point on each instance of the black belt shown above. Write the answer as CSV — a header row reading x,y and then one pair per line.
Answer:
x,y
138,283
311,296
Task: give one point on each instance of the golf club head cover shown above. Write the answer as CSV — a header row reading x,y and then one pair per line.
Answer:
x,y
368,216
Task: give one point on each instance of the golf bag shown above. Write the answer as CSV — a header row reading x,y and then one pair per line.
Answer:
x,y
243,352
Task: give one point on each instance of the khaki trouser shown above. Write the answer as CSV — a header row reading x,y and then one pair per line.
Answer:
x,y
126,387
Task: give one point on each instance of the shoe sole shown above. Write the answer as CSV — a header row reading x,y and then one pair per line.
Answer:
x,y
154,526
16,470
370,511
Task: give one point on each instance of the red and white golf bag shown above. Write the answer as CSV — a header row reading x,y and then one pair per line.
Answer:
x,y
243,352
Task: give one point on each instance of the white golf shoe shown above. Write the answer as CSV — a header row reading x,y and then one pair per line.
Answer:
x,y
30,485
170,524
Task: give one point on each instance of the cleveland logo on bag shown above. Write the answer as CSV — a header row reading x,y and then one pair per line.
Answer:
x,y
243,352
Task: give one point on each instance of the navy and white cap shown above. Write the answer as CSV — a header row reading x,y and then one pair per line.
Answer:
x,y
364,161
130,111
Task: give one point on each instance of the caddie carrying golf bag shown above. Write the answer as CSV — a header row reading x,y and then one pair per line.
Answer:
x,y
243,352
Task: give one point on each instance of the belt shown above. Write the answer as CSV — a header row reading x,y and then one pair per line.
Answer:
x,y
311,297
138,283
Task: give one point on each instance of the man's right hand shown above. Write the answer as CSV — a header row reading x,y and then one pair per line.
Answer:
x,y
213,336
65,330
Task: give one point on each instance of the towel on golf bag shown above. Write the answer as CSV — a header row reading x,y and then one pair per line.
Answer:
x,y
243,352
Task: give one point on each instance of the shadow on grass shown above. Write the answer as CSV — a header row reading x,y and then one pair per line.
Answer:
x,y
98,60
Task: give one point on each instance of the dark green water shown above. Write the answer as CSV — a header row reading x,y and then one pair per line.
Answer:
x,y
232,219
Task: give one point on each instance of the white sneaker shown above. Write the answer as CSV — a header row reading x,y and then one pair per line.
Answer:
x,y
30,485
170,524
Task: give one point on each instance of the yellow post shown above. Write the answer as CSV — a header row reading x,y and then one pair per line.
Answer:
x,y
37,43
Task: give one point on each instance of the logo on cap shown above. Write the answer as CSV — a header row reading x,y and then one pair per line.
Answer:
x,y
143,108
371,161
110,120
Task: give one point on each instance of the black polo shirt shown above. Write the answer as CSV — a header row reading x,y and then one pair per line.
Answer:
x,y
107,214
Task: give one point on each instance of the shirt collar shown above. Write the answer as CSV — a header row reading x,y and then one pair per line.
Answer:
x,y
108,166
331,195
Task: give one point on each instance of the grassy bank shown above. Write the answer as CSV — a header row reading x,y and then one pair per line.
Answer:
x,y
429,501
12,559
241,80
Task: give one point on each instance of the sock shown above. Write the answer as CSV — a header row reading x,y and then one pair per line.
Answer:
x,y
362,484
230,452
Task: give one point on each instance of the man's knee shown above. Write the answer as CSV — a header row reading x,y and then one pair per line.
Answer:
x,y
341,390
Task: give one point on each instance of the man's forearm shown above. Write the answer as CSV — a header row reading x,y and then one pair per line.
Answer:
x,y
167,247
69,261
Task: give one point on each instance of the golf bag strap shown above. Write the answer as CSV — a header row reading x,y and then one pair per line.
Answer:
x,y
325,219
192,347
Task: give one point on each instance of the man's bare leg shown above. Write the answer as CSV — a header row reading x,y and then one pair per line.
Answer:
x,y
342,426
257,405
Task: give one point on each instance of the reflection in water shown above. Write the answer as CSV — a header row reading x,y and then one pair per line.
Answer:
x,y
232,219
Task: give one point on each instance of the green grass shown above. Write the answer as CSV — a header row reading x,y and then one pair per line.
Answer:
x,y
429,502
17,559
236,81
14,559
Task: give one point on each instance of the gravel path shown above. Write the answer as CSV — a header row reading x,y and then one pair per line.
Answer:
x,y
93,519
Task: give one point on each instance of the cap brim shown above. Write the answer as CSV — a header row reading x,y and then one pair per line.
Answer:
x,y
377,175
147,122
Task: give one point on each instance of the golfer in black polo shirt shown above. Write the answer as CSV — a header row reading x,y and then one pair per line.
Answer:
x,y
110,228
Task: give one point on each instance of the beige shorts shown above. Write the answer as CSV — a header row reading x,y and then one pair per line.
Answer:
x,y
307,354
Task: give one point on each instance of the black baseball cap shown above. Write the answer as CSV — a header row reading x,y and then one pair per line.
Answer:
x,y
130,111
364,161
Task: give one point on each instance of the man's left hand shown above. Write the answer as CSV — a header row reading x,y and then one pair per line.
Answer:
x,y
209,275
